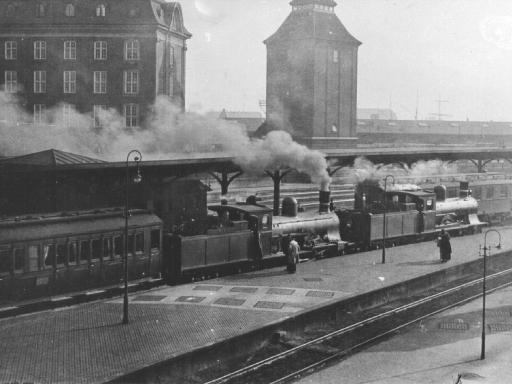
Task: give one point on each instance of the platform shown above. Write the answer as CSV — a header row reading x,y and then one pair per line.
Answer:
x,y
88,343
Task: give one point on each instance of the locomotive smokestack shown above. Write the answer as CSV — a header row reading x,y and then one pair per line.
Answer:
x,y
464,189
324,199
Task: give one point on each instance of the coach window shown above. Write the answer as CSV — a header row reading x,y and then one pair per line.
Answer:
x,y
130,243
49,255
84,251
5,260
430,205
139,242
118,246
19,259
33,258
106,247
503,191
96,249
477,193
61,254
73,252
155,239
489,193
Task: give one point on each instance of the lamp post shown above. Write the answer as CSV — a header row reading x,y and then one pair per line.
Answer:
x,y
384,221
485,249
136,179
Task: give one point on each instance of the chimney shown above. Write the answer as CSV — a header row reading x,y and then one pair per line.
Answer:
x,y
464,189
324,200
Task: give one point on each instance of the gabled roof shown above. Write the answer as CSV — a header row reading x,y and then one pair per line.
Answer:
x,y
51,157
313,25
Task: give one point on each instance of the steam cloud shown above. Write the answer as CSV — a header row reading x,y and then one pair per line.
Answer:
x,y
365,169
169,134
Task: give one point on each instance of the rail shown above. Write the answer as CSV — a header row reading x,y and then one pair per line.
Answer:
x,y
293,351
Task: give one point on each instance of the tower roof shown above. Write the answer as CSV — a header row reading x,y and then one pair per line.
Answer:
x,y
313,24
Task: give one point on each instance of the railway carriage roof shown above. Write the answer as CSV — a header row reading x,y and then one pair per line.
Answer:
x,y
478,183
249,208
418,194
22,231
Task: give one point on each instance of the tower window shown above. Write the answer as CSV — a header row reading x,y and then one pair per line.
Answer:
x,y
40,8
100,10
11,10
70,10
335,56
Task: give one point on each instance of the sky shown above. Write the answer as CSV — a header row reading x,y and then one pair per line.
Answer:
x,y
413,53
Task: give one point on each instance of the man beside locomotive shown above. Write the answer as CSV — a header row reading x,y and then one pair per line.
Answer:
x,y
445,248
293,256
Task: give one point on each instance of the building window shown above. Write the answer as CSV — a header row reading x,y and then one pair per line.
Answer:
x,y
40,8
69,81
11,10
100,115
131,82
100,50
11,81
70,10
335,56
39,81
69,50
68,115
39,114
171,56
334,128
100,10
131,115
40,50
132,50
100,82
11,50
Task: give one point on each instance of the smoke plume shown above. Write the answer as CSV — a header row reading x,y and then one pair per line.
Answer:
x,y
168,134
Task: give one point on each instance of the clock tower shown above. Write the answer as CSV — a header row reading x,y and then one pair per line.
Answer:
x,y
312,77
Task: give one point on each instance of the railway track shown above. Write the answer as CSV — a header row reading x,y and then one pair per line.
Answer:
x,y
303,355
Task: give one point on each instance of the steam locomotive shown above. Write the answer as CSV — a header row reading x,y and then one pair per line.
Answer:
x,y
45,256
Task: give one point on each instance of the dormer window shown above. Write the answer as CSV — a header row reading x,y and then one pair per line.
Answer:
x,y
70,10
40,10
100,10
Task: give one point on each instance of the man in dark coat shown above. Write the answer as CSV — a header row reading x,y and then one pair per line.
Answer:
x,y
445,248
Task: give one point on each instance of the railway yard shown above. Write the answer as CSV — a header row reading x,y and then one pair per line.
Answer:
x,y
191,332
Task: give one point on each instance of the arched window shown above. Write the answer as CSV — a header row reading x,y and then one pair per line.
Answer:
x,y
176,20
40,8
70,10
132,50
100,10
11,10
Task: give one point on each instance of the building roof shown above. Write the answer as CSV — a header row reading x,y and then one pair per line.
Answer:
x,y
118,13
251,121
313,24
51,157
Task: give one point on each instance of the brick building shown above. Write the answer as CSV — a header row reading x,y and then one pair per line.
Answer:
x,y
92,56
312,76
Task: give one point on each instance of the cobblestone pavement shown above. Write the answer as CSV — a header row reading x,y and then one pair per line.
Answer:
x,y
88,343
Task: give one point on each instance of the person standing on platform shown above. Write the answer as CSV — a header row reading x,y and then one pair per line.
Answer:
x,y
285,247
293,256
445,248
